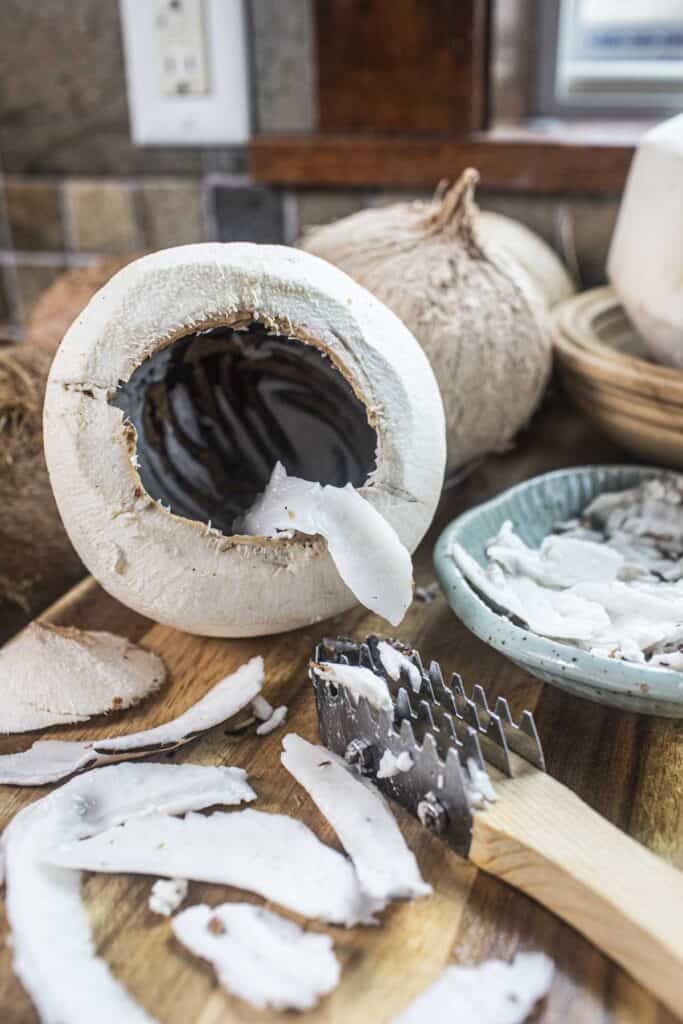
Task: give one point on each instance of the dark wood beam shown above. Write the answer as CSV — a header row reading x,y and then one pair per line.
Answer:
x,y
528,162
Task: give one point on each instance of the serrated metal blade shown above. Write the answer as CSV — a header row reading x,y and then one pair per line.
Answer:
x,y
445,732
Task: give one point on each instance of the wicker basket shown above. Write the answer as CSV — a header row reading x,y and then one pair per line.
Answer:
x,y
611,378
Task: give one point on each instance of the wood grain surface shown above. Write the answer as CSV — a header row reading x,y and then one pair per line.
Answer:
x,y
629,768
508,159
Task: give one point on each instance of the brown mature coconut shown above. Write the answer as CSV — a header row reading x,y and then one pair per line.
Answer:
x,y
37,561
473,309
60,304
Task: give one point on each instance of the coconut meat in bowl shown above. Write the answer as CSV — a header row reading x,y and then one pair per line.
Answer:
x,y
609,582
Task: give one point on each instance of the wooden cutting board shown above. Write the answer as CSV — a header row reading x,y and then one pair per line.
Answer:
x,y
629,768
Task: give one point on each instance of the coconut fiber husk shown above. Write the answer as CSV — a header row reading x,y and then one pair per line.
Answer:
x,y
37,561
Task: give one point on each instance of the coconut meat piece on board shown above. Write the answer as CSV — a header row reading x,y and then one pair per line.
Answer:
x,y
361,817
272,855
50,760
493,992
166,895
53,950
259,956
176,392
51,675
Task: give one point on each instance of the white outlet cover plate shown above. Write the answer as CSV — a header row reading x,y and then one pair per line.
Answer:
x,y
218,117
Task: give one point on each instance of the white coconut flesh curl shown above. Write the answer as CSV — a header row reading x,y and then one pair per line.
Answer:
x,y
183,383
271,855
260,956
51,760
645,261
51,675
395,662
474,310
364,547
53,950
493,992
361,817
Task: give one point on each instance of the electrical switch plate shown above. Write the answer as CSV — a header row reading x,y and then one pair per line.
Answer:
x,y
186,71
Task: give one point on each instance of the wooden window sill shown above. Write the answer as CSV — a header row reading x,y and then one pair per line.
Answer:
x,y
530,157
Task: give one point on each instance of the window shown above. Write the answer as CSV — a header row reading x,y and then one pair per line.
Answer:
x,y
610,57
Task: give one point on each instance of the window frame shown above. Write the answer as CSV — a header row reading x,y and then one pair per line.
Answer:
x,y
499,135
591,98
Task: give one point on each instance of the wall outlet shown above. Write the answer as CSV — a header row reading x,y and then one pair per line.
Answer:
x,y
181,47
186,71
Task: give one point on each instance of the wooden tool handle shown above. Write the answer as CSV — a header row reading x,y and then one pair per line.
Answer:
x,y
543,840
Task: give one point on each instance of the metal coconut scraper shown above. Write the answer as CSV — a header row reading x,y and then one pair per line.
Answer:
x,y
537,835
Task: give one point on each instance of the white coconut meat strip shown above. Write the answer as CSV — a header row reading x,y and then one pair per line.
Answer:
x,y
359,681
390,765
637,617
394,662
272,855
53,950
494,992
277,719
652,511
260,956
548,612
365,548
360,816
56,676
560,561
50,760
166,895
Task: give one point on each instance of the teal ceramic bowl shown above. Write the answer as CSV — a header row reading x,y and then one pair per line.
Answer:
x,y
535,507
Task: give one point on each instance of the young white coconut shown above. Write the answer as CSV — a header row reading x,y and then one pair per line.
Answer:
x,y
473,309
185,380
544,267
645,262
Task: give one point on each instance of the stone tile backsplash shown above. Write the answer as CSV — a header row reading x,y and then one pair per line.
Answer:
x,y
100,217
77,189
47,224
34,215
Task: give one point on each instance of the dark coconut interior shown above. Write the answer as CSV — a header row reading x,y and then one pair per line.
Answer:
x,y
216,409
